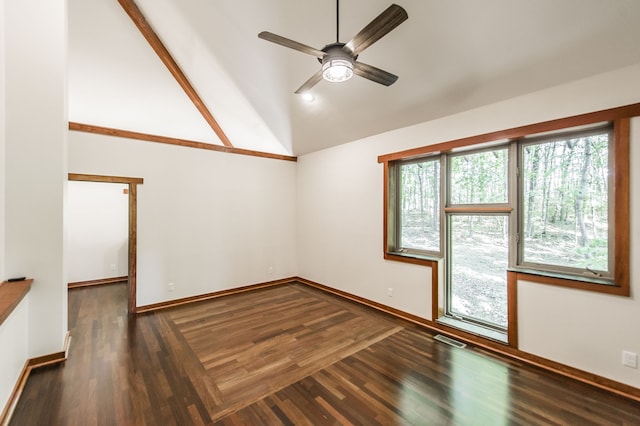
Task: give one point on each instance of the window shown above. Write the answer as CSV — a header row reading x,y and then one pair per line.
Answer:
x,y
419,206
545,203
565,217
479,177
476,290
477,237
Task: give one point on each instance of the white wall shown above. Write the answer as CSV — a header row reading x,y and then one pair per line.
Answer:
x,y
10,371
340,224
97,231
33,167
2,140
207,221
14,344
36,154
340,229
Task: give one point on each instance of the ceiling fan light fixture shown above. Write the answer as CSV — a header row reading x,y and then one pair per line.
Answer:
x,y
337,70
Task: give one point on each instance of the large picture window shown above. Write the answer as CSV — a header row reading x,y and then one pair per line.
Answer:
x,y
565,217
545,203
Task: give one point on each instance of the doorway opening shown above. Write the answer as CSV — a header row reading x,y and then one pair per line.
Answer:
x,y
132,226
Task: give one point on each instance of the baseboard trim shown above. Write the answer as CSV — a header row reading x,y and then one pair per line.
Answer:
x,y
601,382
213,295
5,417
97,282
30,365
54,358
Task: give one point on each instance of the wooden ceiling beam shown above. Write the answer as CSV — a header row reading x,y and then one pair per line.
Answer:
x,y
127,134
150,35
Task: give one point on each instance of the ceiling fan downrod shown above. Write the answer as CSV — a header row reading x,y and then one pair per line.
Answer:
x,y
337,21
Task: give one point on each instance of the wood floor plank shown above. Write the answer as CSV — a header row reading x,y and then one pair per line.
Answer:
x,y
269,340
289,355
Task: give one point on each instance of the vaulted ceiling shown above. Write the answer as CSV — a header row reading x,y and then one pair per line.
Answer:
x,y
450,56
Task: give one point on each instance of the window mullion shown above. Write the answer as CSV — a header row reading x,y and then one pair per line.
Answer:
x,y
514,191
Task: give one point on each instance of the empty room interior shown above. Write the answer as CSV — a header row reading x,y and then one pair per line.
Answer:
x,y
319,212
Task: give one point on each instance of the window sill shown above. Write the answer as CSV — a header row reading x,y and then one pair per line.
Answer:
x,y
599,285
487,333
414,258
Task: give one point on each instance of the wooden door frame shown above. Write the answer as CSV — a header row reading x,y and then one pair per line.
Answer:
x,y
133,225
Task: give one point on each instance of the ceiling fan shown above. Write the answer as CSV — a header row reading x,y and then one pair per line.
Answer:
x,y
339,60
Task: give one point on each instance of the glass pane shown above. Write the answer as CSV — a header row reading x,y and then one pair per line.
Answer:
x,y
478,268
479,178
420,205
566,201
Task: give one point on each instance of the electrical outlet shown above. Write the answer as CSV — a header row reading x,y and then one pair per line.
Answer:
x,y
270,270
390,292
630,359
113,266
171,286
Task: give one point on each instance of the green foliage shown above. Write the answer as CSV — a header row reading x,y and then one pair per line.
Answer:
x,y
420,205
565,198
479,178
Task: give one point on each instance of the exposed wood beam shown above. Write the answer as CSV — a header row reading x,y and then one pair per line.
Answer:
x,y
173,141
150,35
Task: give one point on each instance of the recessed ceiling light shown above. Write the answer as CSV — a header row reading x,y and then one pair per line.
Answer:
x,y
308,97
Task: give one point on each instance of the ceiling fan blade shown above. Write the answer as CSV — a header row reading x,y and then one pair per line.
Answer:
x,y
310,83
383,24
283,41
374,74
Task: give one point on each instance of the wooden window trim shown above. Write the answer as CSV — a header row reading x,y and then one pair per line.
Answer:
x,y
621,118
622,191
612,114
512,309
550,279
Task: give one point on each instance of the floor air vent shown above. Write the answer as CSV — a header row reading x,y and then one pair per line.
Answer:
x,y
449,341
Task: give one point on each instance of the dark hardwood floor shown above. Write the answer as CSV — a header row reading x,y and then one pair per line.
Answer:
x,y
288,355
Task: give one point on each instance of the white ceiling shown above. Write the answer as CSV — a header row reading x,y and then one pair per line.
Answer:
x,y
450,56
